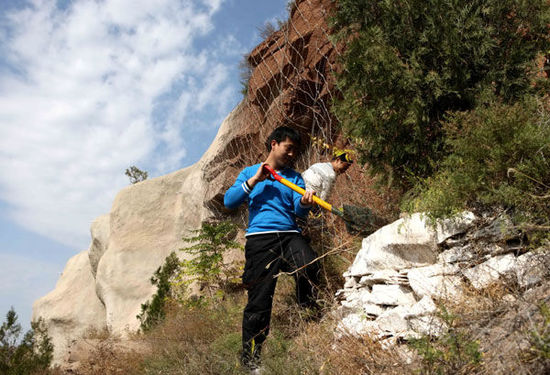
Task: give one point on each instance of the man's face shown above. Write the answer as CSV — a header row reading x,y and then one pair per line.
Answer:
x,y
284,152
341,166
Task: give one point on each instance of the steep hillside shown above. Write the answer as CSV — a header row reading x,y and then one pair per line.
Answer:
x,y
417,298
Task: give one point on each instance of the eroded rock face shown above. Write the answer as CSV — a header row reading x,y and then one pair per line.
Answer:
x,y
103,288
73,307
100,240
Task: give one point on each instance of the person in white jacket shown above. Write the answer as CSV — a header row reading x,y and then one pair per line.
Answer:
x,y
320,177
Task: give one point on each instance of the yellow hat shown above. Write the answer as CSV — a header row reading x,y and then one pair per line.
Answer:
x,y
344,155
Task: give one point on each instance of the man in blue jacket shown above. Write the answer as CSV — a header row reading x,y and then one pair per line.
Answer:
x,y
273,239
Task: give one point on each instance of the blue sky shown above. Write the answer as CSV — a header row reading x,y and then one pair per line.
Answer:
x,y
89,88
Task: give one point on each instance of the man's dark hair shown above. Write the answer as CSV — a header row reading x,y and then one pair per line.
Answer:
x,y
282,133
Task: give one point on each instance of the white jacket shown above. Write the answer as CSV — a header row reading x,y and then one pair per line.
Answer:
x,y
320,177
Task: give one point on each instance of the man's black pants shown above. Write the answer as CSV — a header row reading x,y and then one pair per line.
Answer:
x,y
266,256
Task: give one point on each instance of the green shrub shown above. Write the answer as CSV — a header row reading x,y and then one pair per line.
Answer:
x,y
32,353
499,156
207,267
408,63
135,174
154,311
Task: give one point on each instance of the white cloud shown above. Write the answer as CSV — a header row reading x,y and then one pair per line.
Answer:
x,y
93,89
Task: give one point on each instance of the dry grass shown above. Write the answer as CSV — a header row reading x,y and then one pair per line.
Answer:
x,y
109,359
206,340
348,355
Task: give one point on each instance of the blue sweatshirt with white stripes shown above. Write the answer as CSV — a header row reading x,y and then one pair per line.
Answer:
x,y
272,206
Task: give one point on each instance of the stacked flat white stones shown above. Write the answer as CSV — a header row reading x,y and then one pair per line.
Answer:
x,y
404,268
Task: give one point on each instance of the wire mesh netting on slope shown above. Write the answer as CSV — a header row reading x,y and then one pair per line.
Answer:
x,y
290,79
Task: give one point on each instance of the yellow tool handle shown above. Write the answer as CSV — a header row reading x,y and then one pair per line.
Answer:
x,y
327,206
299,190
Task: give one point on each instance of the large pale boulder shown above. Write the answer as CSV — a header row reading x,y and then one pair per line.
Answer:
x,y
408,242
405,243
72,308
147,221
103,288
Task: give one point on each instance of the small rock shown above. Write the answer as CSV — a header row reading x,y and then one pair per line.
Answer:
x,y
428,325
456,254
451,227
439,281
393,320
501,229
356,324
532,268
425,306
372,310
391,295
350,283
385,277
486,273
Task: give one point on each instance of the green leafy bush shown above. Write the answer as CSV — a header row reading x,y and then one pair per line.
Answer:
x,y
154,311
409,63
27,355
207,267
499,155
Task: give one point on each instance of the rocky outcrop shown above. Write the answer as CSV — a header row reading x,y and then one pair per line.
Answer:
x,y
405,266
104,287
73,307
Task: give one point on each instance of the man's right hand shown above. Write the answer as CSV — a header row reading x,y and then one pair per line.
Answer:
x,y
260,175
